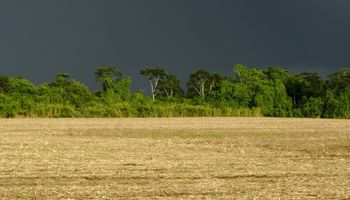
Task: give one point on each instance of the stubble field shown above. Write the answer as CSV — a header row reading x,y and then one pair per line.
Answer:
x,y
174,158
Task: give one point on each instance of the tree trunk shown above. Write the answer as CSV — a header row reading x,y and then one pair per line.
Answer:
x,y
152,90
203,93
294,98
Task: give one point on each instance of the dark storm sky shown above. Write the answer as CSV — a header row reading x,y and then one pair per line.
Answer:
x,y
39,38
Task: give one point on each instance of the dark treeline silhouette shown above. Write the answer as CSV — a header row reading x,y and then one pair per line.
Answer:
x,y
272,91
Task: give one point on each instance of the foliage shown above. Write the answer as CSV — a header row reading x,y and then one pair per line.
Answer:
x,y
202,83
272,91
4,83
115,85
170,86
154,75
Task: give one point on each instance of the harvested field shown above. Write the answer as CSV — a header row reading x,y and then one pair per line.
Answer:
x,y
175,158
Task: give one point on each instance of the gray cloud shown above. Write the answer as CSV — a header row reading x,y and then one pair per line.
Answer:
x,y
42,37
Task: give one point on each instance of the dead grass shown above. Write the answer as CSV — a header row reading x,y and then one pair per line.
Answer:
x,y
175,158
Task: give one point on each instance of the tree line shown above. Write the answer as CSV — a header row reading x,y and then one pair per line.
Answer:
x,y
272,91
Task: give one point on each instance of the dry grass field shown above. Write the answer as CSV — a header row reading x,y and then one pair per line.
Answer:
x,y
175,158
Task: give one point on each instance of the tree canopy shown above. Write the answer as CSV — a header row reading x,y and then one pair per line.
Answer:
x,y
272,91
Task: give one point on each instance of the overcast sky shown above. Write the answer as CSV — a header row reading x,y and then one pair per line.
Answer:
x,y
39,38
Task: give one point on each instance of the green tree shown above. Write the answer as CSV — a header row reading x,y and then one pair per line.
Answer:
x,y
247,75
4,83
21,86
254,81
344,104
282,102
278,79
313,107
170,86
154,75
108,76
61,80
330,105
277,73
264,89
340,80
303,86
215,81
294,87
114,82
313,86
66,90
198,83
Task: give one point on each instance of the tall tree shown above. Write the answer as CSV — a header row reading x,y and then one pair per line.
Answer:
x,y
113,81
247,75
154,75
314,84
215,81
198,83
4,83
61,80
170,86
294,87
340,80
277,73
20,85
306,85
108,75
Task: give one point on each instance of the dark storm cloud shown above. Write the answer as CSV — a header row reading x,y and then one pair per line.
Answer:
x,y
39,38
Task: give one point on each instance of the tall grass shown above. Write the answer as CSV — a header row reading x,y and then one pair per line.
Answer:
x,y
123,109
